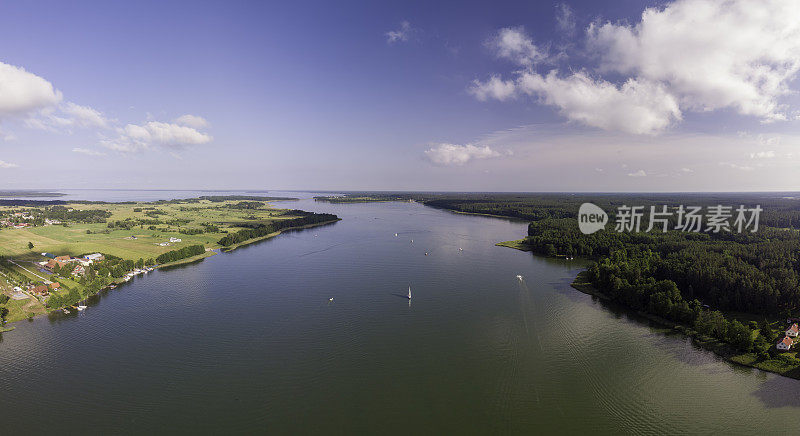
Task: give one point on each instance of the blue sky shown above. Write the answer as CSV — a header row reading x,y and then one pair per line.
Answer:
x,y
493,96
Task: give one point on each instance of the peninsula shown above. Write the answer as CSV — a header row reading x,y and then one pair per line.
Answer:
x,y
55,254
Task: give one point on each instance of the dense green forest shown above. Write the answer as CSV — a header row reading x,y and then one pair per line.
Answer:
x,y
260,230
693,279
182,253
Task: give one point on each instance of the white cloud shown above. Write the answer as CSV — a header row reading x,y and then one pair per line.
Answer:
x,y
690,55
514,44
192,121
769,140
22,92
639,173
762,155
87,151
635,107
453,154
135,137
400,35
84,116
65,116
711,54
4,164
494,88
736,166
565,18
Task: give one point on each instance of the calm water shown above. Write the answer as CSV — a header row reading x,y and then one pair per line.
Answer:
x,y
248,342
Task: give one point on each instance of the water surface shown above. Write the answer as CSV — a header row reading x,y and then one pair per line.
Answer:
x,y
248,342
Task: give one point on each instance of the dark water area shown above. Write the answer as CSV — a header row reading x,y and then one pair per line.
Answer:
x,y
249,342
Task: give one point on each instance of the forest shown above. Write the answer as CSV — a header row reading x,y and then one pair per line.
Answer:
x,y
691,278
277,225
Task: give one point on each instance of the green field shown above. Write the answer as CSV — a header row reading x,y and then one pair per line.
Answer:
x,y
130,231
74,239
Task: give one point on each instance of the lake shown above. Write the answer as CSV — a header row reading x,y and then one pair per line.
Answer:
x,y
248,341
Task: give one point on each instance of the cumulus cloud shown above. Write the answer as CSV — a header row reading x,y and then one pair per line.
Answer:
x,y
400,35
635,107
514,44
22,92
494,88
454,154
192,121
4,164
134,137
690,55
87,151
639,173
712,54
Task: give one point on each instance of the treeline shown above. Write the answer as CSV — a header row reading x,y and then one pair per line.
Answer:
x,y
62,213
183,253
781,210
747,272
274,226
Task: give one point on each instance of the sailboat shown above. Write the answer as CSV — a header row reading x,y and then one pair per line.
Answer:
x,y
409,292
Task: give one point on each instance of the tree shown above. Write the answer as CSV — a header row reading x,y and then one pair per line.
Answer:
x,y
739,336
30,245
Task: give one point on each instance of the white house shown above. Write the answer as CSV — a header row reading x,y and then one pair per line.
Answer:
x,y
94,257
174,239
793,331
785,344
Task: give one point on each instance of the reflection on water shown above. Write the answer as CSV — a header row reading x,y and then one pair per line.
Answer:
x,y
249,341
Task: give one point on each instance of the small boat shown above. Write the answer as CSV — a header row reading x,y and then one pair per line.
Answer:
x,y
409,292
519,276
395,234
65,311
426,253
412,241
330,300
460,249
81,308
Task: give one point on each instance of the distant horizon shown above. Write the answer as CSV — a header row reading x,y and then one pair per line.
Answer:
x,y
390,191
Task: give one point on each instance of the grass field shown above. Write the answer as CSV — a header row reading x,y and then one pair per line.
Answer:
x,y
74,240
140,240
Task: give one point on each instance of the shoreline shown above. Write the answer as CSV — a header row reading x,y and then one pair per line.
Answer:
x,y
186,261
719,348
274,234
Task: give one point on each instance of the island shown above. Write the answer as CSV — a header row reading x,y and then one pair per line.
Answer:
x,y
55,254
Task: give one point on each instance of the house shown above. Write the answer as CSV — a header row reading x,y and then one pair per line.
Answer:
x,y
63,258
78,271
94,257
173,239
84,262
785,344
51,265
51,256
55,286
41,290
793,331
